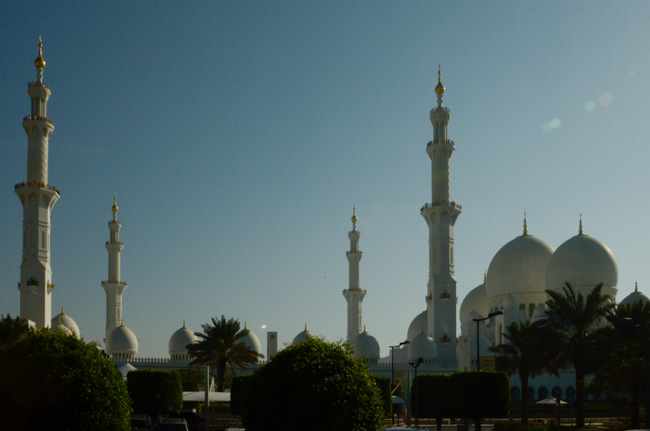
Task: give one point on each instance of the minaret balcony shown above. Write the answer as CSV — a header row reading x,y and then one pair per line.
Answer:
x,y
114,242
38,118
50,286
451,204
37,184
38,84
445,339
114,282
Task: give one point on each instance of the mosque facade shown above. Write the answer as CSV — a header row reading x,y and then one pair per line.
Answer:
x,y
514,284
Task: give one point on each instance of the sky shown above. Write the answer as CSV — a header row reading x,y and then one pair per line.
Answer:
x,y
239,135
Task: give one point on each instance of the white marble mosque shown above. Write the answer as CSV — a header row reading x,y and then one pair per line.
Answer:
x,y
514,284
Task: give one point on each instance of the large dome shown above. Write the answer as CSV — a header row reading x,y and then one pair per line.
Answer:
x,y
179,341
121,342
250,340
303,336
476,301
66,321
584,262
518,269
417,326
365,345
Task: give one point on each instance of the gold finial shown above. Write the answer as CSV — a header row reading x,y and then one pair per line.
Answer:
x,y
484,276
580,226
440,89
115,208
62,311
525,225
59,324
121,323
305,327
39,62
354,214
245,327
184,327
636,287
364,329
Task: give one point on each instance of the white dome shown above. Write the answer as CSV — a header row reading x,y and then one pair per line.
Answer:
x,y
365,345
584,262
635,296
250,340
179,340
417,326
518,269
66,321
509,303
422,346
476,301
539,313
122,342
59,327
303,336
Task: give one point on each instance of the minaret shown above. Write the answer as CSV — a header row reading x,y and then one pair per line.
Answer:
x,y
441,215
37,197
114,287
354,295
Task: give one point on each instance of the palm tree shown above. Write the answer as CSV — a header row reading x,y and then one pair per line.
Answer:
x,y
573,319
11,329
525,354
220,348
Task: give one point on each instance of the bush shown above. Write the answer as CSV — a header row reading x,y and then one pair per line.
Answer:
x,y
238,391
383,383
432,395
155,392
313,385
53,381
481,394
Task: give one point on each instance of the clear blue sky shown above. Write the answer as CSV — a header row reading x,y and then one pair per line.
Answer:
x,y
238,136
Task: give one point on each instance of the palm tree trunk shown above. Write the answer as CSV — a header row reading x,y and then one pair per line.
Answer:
x,y
221,374
580,395
523,377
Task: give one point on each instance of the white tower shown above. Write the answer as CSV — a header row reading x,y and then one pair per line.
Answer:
x,y
37,198
114,287
441,215
354,295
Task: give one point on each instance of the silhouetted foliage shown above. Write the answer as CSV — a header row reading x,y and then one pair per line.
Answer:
x,y
478,394
155,392
433,395
11,329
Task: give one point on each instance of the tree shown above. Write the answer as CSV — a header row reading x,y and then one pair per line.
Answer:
x,y
221,349
433,397
11,329
573,320
313,385
479,394
525,353
192,379
155,392
620,354
55,381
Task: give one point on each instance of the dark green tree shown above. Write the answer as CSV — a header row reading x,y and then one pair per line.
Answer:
x,y
433,397
313,385
620,353
192,379
54,381
525,353
479,394
11,329
383,383
220,348
155,392
573,319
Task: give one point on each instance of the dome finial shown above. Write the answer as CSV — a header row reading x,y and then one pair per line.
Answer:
x,y
580,226
485,276
305,326
525,225
440,89
59,321
184,327
354,217
364,329
121,323
245,327
39,62
115,208
62,311
636,287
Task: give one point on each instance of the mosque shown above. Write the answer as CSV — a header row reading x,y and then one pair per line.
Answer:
x,y
514,284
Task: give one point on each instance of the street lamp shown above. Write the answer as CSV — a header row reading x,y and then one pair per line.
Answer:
x,y
392,371
478,350
416,364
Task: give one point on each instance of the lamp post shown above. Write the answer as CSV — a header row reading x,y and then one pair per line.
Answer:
x,y
416,364
478,345
392,372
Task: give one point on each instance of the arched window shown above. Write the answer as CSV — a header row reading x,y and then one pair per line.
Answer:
x,y
515,393
542,393
531,309
522,307
556,392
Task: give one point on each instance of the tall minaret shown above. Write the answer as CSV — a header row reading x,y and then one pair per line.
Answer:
x,y
37,197
441,215
354,295
114,287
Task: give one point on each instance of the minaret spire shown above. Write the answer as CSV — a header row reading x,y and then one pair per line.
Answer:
x,y
441,215
114,286
38,198
525,225
354,295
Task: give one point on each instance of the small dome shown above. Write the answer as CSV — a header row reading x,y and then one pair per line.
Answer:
x,y
250,340
179,341
518,269
635,296
66,321
476,301
509,303
122,342
422,346
584,262
60,327
365,345
303,336
539,313
418,325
